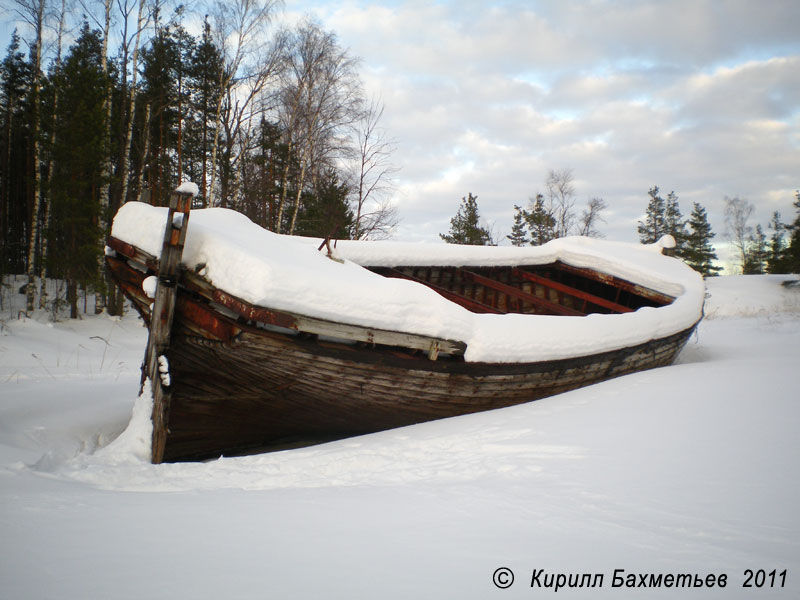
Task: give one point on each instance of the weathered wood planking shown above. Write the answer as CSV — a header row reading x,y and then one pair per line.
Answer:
x,y
553,289
162,315
270,389
246,377
216,299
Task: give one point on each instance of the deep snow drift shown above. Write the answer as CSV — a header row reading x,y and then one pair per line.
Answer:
x,y
686,469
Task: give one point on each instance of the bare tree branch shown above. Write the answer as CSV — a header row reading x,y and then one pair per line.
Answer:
x,y
375,217
561,199
737,213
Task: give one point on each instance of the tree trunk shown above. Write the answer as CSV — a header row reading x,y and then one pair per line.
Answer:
x,y
30,290
48,208
126,146
298,195
105,178
72,298
139,179
284,187
212,201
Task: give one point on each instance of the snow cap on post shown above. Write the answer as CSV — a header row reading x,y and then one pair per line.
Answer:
x,y
187,187
664,242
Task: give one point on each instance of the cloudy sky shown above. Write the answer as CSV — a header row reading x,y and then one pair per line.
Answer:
x,y
697,96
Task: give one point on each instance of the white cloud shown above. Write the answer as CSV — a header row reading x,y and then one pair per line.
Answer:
x,y
699,97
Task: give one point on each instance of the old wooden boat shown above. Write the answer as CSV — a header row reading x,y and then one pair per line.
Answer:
x,y
235,371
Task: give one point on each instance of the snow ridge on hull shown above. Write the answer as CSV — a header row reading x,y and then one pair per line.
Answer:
x,y
289,274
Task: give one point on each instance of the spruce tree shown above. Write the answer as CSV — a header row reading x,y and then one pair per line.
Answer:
x,y
791,255
206,65
541,222
518,237
757,253
465,227
15,145
262,181
776,244
78,156
166,67
654,225
698,252
674,225
326,212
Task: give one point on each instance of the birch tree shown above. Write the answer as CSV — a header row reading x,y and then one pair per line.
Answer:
x,y
239,29
561,198
591,216
33,13
375,217
129,89
321,98
243,105
62,15
737,214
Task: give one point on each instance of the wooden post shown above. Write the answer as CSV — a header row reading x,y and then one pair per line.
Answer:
x,y
161,316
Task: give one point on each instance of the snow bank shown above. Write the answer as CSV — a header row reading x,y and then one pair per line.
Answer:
x,y
686,469
290,274
134,444
752,295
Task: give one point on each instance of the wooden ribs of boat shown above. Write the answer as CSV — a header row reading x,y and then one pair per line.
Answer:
x,y
245,378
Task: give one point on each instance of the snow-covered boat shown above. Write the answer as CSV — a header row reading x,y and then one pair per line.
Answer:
x,y
276,341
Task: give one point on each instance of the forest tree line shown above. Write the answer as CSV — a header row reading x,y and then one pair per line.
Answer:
x,y
270,121
553,215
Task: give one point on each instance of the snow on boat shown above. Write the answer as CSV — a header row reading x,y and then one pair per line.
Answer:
x,y
262,341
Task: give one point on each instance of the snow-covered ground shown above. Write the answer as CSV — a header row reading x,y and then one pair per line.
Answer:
x,y
686,469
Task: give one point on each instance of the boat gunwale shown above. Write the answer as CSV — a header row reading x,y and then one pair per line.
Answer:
x,y
364,349
196,284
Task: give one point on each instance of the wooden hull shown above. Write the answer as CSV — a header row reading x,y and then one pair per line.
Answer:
x,y
247,379
272,390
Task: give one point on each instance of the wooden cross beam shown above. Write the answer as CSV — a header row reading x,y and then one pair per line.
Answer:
x,y
466,302
571,291
509,290
657,298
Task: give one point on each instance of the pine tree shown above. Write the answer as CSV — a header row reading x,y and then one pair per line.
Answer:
x,y
207,64
699,253
776,244
465,227
15,146
261,176
541,222
78,158
674,225
166,64
791,255
326,213
519,236
757,253
654,225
